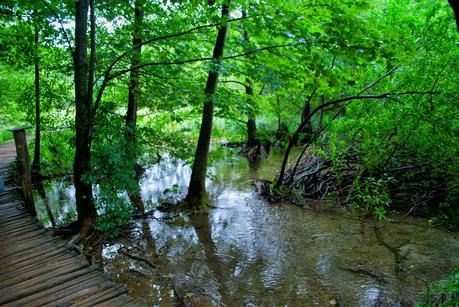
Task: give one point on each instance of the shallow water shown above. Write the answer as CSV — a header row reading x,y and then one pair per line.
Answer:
x,y
247,252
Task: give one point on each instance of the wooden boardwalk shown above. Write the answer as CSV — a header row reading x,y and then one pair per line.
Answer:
x,y
35,269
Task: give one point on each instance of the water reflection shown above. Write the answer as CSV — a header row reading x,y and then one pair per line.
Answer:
x,y
55,203
247,252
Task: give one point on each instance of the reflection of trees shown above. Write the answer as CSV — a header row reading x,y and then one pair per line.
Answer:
x,y
148,236
204,232
41,191
254,166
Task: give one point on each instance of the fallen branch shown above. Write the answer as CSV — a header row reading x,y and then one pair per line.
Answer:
x,y
177,295
137,272
125,252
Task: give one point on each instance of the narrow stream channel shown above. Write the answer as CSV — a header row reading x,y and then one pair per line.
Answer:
x,y
246,252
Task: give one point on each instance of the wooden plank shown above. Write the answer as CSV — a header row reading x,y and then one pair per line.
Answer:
x,y
15,219
43,251
20,224
12,195
73,295
9,199
21,229
103,296
23,235
15,216
44,278
8,207
31,263
7,225
8,295
15,237
42,297
10,204
122,300
49,266
104,288
25,250
26,245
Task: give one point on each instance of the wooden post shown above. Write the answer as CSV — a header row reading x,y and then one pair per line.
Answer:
x,y
23,168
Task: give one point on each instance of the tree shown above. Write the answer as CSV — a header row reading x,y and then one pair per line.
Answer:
x,y
131,116
197,188
83,117
36,154
251,118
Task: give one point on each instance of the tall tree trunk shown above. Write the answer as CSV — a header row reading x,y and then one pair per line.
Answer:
x,y
131,116
282,130
92,55
36,153
83,120
251,119
306,132
197,188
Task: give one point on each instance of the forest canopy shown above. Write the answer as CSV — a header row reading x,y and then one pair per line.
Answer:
x,y
367,88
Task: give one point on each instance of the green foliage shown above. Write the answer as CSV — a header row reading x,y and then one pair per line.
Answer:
x,y
170,195
57,152
331,49
12,84
443,293
114,174
115,212
371,195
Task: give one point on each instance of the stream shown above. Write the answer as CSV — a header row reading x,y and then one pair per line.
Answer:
x,y
246,252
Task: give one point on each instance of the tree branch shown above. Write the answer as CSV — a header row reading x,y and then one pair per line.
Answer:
x,y
173,35
69,45
331,103
366,88
108,76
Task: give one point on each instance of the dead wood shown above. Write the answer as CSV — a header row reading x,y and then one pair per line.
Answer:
x,y
125,252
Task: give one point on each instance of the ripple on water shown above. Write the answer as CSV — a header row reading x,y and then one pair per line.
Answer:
x,y
245,251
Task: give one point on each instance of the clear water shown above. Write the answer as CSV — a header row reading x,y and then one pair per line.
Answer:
x,y
248,252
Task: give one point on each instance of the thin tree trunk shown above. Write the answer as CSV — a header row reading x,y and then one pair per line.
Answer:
x,y
197,188
83,116
279,131
251,120
92,55
36,167
131,116
307,129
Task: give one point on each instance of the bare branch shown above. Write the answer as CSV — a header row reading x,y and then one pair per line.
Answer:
x,y
233,81
69,45
366,88
164,37
181,62
332,103
108,76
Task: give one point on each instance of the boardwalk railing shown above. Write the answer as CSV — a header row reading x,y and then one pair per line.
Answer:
x,y
23,168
